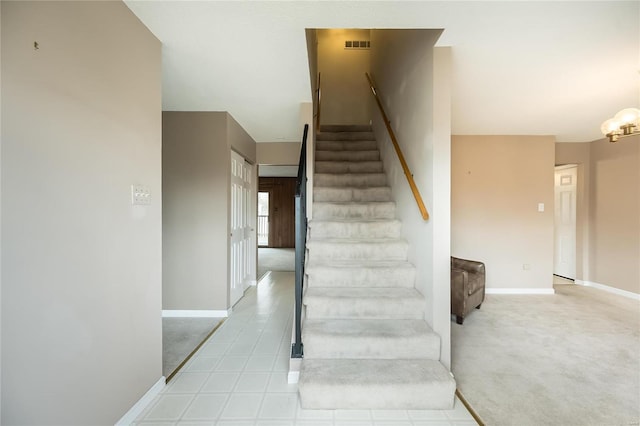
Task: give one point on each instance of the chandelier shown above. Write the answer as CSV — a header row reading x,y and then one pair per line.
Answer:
x,y
624,123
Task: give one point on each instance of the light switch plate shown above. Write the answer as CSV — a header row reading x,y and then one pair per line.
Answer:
x,y
540,207
140,195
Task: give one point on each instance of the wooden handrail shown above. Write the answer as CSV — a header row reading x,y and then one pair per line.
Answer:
x,y
318,95
405,167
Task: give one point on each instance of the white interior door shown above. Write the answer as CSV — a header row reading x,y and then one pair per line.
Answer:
x,y
565,221
242,239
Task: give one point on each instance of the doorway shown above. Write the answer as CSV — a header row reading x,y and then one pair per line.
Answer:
x,y
263,218
240,241
565,193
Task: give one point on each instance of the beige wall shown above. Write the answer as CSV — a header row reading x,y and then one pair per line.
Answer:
x,y
615,214
345,93
196,148
81,266
610,208
496,185
402,63
240,141
279,153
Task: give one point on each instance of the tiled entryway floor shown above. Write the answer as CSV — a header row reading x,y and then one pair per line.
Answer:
x,y
239,376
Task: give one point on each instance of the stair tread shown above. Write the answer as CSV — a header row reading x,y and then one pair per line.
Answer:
x,y
362,293
369,339
358,264
353,220
358,240
366,328
337,128
365,372
375,384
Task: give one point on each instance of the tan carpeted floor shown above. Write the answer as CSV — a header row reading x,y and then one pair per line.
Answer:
x,y
275,259
572,358
180,336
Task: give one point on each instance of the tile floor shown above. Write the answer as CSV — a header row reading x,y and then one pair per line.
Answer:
x,y
239,377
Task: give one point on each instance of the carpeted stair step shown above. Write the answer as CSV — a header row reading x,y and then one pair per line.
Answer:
x,y
355,180
354,156
354,229
360,274
340,145
345,136
369,339
348,167
345,128
357,249
371,210
381,384
363,303
331,194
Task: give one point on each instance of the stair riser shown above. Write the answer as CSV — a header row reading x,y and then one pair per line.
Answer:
x,y
358,145
326,211
360,180
348,167
345,128
355,156
345,136
424,396
326,250
386,229
348,347
345,308
325,276
341,195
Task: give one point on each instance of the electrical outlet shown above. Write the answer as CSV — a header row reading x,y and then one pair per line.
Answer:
x,y
140,195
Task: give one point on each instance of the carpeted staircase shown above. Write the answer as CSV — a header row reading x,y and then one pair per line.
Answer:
x,y
366,344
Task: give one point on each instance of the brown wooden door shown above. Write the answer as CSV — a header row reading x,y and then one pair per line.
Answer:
x,y
281,210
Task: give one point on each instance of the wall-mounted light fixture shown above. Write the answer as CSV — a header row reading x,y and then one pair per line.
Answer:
x,y
624,123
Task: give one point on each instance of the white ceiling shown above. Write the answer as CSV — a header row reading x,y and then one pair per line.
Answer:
x,y
535,68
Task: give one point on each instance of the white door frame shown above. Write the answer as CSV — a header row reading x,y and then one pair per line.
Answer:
x,y
565,196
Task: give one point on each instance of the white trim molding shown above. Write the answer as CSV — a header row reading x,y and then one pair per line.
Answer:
x,y
609,289
519,291
293,377
196,313
137,409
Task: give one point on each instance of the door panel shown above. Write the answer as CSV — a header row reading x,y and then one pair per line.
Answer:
x,y
565,222
241,238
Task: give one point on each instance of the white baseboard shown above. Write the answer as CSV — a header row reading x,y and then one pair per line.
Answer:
x,y
609,289
519,291
142,403
196,313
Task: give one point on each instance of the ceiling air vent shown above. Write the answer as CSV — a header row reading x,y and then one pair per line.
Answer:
x,y
357,44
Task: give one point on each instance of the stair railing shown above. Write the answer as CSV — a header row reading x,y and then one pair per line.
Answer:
x,y
405,167
318,101
301,240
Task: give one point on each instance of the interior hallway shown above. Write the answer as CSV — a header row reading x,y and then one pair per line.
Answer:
x,y
239,377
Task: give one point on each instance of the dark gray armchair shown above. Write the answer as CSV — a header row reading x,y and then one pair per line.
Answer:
x,y
467,287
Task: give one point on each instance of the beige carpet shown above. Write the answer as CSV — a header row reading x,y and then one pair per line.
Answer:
x,y
180,336
275,259
572,358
